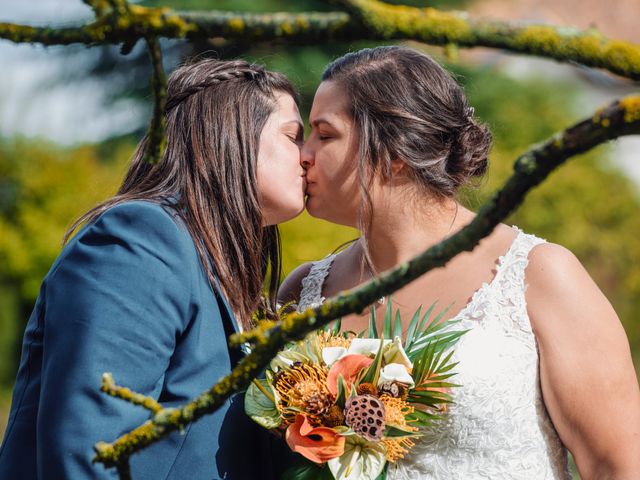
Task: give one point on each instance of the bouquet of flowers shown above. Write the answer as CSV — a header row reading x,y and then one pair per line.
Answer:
x,y
353,403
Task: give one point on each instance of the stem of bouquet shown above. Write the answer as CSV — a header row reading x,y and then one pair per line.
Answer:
x,y
618,119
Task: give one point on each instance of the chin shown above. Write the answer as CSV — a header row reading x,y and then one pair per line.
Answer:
x,y
311,208
289,213
314,211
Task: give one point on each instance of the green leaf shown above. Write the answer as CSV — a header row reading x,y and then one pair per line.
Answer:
x,y
383,475
373,372
413,324
341,398
335,326
426,316
397,326
259,407
396,432
373,329
388,319
304,469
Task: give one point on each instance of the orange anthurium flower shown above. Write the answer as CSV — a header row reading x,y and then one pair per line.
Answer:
x,y
349,367
317,444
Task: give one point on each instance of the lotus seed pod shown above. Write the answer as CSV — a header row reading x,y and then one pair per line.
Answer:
x,y
365,414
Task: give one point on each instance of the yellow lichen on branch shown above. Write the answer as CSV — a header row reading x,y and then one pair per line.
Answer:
x,y
442,28
110,388
631,107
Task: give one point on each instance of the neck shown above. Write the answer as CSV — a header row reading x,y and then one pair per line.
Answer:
x,y
402,229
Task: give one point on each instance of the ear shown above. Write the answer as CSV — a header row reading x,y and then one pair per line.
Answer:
x,y
397,166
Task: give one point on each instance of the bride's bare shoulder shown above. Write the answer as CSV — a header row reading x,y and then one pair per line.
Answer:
x,y
292,285
554,270
561,295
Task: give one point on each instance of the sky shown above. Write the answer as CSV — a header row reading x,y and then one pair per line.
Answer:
x,y
35,103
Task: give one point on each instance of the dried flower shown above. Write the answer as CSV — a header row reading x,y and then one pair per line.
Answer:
x,y
296,385
334,416
367,389
393,389
365,414
318,403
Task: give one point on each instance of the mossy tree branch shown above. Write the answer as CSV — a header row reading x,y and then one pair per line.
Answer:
x,y
618,119
435,27
156,139
110,388
119,22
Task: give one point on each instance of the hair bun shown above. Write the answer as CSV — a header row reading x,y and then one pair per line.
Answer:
x,y
469,152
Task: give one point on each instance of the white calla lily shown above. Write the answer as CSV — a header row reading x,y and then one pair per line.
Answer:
x,y
395,372
394,353
366,346
361,460
330,355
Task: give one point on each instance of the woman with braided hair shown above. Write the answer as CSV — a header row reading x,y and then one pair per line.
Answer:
x,y
393,139
155,281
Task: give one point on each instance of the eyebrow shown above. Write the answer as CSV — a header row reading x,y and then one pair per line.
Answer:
x,y
318,121
295,122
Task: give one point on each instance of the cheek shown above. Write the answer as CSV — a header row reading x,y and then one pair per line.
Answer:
x,y
280,184
337,175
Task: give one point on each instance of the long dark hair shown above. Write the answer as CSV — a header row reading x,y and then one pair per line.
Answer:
x,y
406,106
216,111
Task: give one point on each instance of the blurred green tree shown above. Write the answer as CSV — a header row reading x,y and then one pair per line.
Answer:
x,y
588,206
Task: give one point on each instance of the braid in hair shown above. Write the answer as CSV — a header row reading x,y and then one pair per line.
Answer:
x,y
251,72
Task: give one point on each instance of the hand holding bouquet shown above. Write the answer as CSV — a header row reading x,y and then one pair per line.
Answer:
x,y
352,403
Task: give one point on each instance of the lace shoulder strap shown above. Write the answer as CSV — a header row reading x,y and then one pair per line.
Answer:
x,y
311,293
510,278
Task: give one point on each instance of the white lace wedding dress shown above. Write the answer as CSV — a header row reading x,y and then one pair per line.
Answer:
x,y
498,427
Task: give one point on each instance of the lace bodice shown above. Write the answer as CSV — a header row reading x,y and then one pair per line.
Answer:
x,y
498,427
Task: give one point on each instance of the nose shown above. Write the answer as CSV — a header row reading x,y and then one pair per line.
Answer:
x,y
307,158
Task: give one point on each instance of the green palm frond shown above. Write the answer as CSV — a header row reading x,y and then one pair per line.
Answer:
x,y
387,326
373,329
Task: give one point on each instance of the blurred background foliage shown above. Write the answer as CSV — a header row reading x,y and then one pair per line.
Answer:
x,y
588,205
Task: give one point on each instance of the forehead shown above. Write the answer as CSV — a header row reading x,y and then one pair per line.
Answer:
x,y
330,101
287,109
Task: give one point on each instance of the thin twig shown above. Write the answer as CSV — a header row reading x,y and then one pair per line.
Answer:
x,y
110,388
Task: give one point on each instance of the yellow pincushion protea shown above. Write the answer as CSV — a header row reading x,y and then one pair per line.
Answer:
x,y
396,448
395,410
327,338
296,385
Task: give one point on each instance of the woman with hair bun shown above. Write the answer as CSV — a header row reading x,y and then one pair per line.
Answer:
x,y
545,365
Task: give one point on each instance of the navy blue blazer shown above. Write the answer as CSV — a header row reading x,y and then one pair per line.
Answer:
x,y
127,295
